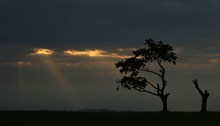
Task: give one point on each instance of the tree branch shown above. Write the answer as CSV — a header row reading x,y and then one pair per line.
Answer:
x,y
143,90
162,68
158,89
162,75
150,71
153,86
197,87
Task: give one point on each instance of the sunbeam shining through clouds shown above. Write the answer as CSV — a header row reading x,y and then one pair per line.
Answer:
x,y
21,78
57,74
51,66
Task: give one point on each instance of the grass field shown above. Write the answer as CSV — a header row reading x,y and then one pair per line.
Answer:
x,y
50,118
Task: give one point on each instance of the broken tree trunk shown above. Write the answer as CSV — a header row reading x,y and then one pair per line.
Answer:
x,y
204,95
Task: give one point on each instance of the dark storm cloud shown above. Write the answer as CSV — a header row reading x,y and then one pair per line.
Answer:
x,y
32,22
107,23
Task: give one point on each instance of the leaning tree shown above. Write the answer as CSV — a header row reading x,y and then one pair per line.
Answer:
x,y
136,67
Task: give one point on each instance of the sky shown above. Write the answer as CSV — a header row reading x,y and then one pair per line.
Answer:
x,y
61,54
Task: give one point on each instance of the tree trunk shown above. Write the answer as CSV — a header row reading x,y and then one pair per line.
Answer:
x,y
164,102
204,101
204,95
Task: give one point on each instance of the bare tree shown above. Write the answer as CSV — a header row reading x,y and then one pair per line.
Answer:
x,y
135,67
204,95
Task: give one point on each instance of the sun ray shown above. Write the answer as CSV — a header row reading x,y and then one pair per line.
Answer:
x,y
57,74
51,66
21,79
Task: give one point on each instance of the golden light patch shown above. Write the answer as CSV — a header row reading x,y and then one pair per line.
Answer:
x,y
42,51
94,53
91,53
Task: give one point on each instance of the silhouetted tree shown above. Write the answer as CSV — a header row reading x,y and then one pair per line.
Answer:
x,y
135,67
204,95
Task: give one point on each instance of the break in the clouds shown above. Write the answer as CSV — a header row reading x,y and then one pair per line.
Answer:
x,y
95,53
86,52
42,51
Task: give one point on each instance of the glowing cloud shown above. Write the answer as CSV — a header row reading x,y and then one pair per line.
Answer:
x,y
90,53
42,51
94,53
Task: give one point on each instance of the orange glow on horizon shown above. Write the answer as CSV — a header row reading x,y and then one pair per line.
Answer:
x,y
42,51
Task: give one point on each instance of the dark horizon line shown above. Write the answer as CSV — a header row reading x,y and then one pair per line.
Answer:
x,y
103,110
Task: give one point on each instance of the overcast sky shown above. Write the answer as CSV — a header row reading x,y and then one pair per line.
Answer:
x,y
83,39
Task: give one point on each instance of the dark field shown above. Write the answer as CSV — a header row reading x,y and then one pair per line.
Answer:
x,y
50,118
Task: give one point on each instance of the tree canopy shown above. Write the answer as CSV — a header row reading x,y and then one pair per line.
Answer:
x,y
154,52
